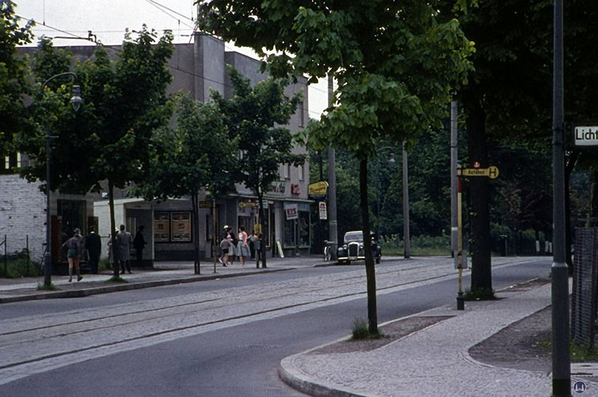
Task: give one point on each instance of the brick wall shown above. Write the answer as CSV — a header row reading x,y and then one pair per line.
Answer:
x,y
22,214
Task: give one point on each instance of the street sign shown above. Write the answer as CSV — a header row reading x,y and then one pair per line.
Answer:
x,y
205,204
491,172
585,135
244,204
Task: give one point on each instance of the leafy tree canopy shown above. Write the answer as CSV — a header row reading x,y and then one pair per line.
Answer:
x,y
254,118
395,62
13,72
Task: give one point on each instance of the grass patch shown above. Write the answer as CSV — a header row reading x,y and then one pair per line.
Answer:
x,y
361,331
577,354
482,294
117,279
419,246
44,287
18,265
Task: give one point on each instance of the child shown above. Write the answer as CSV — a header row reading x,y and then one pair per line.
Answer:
x,y
224,246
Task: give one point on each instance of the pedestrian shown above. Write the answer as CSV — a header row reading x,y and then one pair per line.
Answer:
x,y
139,244
224,246
252,240
93,245
74,245
232,250
112,253
223,234
242,247
258,250
124,240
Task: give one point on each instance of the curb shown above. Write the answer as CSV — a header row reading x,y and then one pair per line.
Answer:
x,y
80,293
291,376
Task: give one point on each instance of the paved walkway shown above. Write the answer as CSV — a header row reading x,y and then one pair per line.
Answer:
x,y
164,273
434,361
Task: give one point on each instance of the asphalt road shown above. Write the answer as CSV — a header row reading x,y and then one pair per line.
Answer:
x,y
219,338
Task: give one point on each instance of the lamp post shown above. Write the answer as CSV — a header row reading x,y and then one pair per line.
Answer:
x,y
406,233
561,363
76,101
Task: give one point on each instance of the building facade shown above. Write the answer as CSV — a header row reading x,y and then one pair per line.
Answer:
x,y
197,68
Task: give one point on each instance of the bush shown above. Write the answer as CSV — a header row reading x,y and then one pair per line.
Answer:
x,y
419,245
18,265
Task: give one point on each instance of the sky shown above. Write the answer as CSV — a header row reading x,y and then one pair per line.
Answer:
x,y
108,19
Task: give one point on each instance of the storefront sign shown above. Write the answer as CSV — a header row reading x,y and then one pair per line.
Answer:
x,y
277,188
291,211
318,188
322,210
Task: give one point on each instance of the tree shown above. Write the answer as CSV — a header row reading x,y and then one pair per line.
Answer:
x,y
395,64
13,72
254,117
125,101
193,156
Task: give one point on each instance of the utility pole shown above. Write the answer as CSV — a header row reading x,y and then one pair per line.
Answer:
x,y
332,219
561,362
406,233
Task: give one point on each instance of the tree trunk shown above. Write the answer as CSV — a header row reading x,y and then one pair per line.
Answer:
x,y
195,232
370,267
262,254
481,272
112,229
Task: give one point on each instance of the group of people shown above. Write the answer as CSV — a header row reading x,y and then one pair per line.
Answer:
x,y
76,246
239,245
121,256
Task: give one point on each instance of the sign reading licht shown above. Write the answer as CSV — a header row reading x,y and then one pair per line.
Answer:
x,y
586,135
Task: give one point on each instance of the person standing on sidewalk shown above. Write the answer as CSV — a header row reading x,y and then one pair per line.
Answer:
x,y
252,240
242,247
124,240
224,247
232,251
93,245
74,246
139,244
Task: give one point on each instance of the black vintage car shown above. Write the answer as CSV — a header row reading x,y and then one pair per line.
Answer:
x,y
352,248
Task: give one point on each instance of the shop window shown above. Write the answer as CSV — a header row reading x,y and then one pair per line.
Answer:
x,y
290,233
172,227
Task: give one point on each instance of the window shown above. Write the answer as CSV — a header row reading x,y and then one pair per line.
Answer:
x,y
286,171
301,172
172,227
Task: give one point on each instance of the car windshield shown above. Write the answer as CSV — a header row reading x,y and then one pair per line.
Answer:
x,y
353,236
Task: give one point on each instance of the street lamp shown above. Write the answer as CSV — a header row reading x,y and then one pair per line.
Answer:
x,y
76,102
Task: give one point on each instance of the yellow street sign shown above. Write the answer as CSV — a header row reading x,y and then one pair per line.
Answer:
x,y
318,188
491,172
244,204
205,204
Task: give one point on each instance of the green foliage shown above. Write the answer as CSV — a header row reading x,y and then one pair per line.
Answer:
x,y
253,118
419,245
194,155
108,138
44,287
18,265
480,294
361,331
13,71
